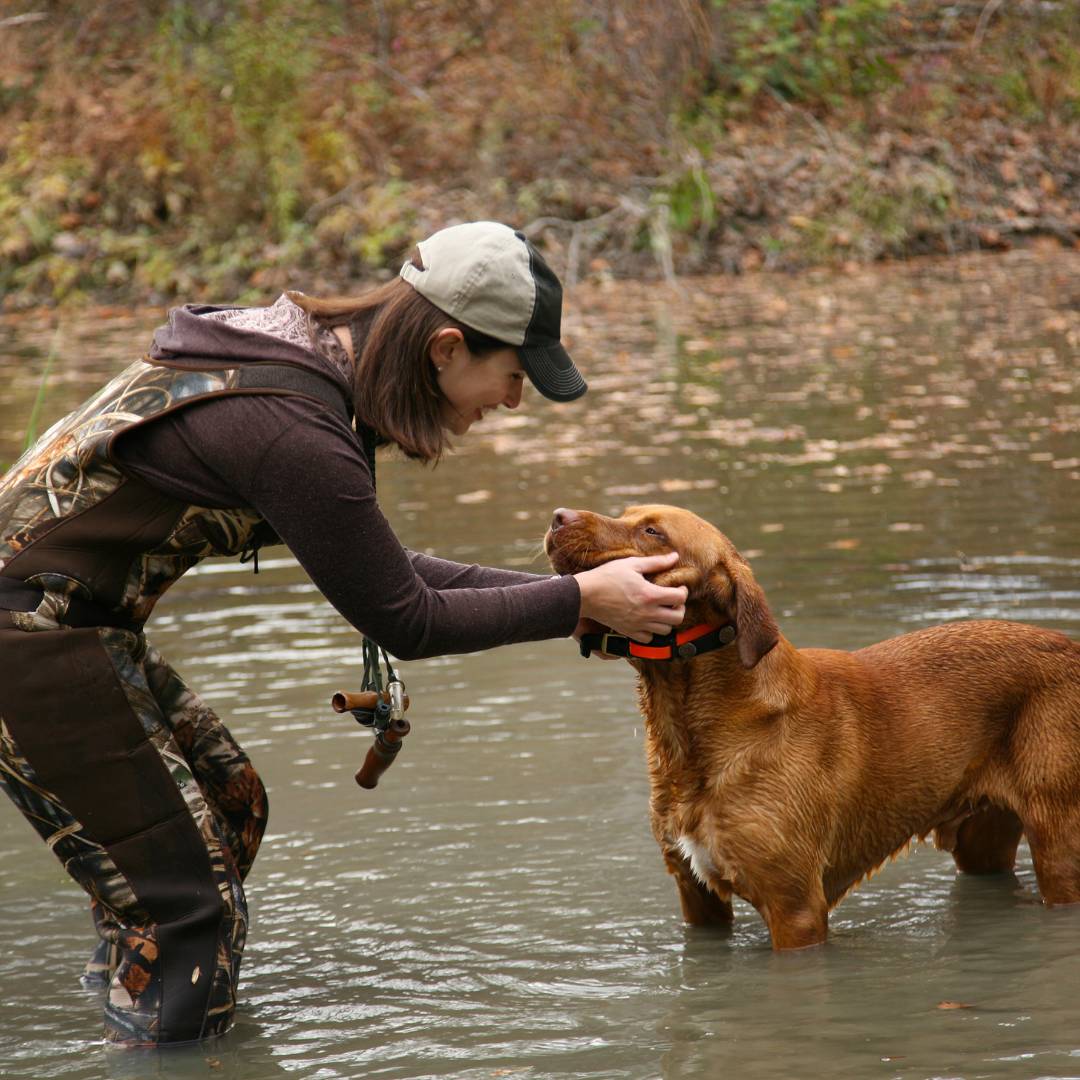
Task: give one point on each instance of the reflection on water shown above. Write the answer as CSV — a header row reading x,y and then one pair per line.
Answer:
x,y
892,449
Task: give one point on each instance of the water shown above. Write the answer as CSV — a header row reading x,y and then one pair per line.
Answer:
x,y
893,448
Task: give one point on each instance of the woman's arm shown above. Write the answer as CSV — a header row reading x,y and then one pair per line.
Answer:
x,y
443,574
302,467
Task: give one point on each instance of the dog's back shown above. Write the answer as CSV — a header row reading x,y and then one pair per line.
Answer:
x,y
942,723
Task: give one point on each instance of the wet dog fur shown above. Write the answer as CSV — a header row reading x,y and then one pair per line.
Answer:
x,y
786,776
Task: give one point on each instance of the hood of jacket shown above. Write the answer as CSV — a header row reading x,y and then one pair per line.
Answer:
x,y
191,340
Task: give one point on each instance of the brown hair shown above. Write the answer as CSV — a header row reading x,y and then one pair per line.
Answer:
x,y
395,391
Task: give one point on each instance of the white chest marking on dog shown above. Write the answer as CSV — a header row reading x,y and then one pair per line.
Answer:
x,y
700,860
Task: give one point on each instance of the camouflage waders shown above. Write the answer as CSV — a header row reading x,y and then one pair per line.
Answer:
x,y
125,773
152,808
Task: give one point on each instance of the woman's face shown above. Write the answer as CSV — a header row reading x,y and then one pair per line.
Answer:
x,y
472,386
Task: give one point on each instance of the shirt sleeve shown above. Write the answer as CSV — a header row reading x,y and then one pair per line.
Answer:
x,y
302,467
443,574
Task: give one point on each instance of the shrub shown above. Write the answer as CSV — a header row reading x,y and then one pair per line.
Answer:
x,y
810,50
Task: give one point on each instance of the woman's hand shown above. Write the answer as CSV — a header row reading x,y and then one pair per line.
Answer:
x,y
616,595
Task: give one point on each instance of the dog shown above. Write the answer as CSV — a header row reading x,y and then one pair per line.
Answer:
x,y
786,776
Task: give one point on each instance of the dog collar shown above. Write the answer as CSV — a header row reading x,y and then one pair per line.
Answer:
x,y
674,646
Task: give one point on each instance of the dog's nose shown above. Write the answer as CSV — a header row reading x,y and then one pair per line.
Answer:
x,y
562,517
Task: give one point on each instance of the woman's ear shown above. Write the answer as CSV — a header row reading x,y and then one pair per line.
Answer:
x,y
447,346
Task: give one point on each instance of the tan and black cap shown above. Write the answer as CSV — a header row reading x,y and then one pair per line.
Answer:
x,y
491,278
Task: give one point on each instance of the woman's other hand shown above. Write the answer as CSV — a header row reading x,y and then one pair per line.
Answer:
x,y
617,595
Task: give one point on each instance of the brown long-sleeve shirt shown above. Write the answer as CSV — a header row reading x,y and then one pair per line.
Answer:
x,y
300,464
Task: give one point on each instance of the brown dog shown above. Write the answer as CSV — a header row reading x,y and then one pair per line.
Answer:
x,y
788,775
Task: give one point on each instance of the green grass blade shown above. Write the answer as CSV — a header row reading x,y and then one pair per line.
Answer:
x,y
35,413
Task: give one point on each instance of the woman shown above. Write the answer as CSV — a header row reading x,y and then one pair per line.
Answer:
x,y
235,431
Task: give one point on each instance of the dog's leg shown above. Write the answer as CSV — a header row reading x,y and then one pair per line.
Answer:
x,y
986,842
1055,855
701,905
797,922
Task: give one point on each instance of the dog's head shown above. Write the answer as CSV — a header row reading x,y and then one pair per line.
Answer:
x,y
719,582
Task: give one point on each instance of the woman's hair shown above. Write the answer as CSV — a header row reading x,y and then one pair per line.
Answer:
x,y
395,391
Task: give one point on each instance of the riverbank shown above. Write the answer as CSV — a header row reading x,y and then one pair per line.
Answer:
x,y
163,152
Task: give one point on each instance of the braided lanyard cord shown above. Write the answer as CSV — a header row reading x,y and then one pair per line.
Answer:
x,y
372,670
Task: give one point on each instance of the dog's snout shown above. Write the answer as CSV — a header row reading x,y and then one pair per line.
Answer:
x,y
562,517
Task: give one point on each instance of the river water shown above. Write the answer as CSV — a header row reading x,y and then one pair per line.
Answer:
x,y
892,448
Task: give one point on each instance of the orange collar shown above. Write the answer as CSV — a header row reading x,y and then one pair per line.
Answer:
x,y
674,646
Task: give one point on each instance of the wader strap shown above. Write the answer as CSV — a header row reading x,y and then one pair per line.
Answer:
x,y
18,595
296,380
299,380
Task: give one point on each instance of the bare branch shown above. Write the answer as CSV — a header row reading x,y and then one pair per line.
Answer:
x,y
375,62
984,18
20,20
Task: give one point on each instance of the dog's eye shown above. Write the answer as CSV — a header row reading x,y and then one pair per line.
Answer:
x,y
652,532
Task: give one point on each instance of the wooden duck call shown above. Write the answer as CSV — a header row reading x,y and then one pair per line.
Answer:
x,y
381,753
388,733
342,702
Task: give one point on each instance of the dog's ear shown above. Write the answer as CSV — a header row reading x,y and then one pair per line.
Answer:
x,y
732,590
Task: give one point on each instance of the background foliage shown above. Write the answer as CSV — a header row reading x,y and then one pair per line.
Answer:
x,y
214,149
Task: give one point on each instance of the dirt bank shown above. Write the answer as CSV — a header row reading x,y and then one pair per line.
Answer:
x,y
203,151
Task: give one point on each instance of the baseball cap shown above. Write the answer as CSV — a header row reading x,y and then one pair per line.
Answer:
x,y
489,277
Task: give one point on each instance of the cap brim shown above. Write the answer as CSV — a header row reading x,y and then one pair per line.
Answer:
x,y
552,372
